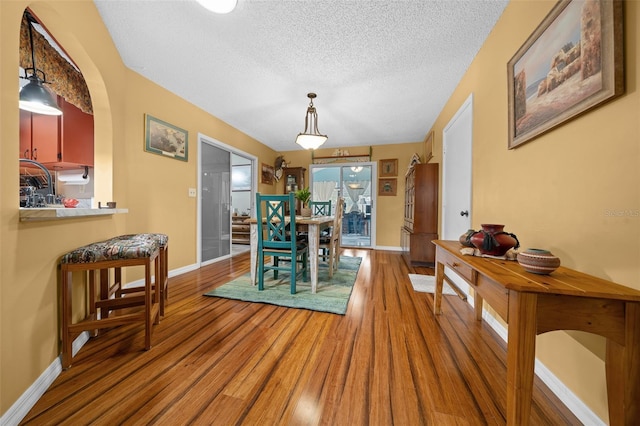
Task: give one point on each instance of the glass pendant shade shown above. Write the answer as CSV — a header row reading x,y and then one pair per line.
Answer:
x,y
311,137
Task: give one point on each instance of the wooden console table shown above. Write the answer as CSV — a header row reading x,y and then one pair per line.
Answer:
x,y
533,304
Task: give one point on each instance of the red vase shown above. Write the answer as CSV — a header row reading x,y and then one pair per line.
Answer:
x,y
492,240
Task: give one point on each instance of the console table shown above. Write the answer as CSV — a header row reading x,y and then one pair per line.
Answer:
x,y
533,304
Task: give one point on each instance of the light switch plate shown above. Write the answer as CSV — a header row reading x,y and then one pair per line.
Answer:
x,y
192,192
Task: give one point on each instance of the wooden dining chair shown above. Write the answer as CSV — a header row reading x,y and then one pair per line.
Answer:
x,y
320,208
274,239
330,245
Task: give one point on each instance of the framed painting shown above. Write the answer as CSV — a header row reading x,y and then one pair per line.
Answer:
x,y
267,174
389,167
387,186
572,63
166,139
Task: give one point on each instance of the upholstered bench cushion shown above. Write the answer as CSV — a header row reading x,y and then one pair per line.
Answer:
x,y
160,239
134,246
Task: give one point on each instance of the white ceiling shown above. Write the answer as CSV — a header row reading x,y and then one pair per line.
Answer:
x,y
382,70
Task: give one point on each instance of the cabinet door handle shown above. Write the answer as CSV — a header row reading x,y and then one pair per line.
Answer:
x,y
26,154
34,154
464,213
455,264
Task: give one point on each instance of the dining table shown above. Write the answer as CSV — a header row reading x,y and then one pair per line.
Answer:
x,y
313,225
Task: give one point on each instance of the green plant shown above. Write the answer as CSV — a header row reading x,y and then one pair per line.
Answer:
x,y
304,195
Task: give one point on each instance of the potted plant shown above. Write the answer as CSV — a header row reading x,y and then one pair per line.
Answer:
x,y
304,195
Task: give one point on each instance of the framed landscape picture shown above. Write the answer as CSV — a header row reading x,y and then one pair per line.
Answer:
x,y
572,63
165,139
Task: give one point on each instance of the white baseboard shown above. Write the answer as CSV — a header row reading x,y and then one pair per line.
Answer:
x,y
28,399
568,398
388,248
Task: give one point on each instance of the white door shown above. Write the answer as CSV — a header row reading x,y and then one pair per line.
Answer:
x,y
457,139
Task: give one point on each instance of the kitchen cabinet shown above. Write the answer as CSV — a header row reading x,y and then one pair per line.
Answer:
x,y
39,135
292,180
420,215
58,142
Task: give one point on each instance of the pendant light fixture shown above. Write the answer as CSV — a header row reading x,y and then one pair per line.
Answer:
x,y
219,6
311,137
34,96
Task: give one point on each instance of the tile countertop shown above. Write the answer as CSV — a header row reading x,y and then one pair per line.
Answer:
x,y
52,213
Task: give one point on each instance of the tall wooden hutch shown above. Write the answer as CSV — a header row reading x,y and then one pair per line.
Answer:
x,y
420,225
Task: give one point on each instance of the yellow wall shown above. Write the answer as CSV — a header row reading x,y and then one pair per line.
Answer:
x,y
557,191
389,210
553,192
152,187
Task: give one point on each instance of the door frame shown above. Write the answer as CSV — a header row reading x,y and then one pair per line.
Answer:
x,y
204,139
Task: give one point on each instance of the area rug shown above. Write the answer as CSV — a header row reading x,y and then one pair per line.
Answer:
x,y
332,294
427,284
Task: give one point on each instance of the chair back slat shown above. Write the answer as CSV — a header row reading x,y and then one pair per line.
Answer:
x,y
274,224
320,208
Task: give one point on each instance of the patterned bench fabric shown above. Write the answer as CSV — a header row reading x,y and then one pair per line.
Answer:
x,y
132,246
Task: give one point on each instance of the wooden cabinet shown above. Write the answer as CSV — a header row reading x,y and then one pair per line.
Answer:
x,y
420,225
240,231
58,142
292,180
39,135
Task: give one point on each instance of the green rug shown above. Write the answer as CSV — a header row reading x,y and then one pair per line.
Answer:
x,y
332,294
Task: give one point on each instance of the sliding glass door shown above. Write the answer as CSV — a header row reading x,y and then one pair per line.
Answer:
x,y
353,182
215,197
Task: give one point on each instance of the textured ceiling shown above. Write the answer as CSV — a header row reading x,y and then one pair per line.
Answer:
x,y
382,69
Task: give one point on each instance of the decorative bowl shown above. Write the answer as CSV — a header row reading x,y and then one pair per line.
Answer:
x,y
538,261
70,203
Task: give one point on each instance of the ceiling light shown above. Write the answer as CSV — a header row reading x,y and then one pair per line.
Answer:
x,y
219,6
311,137
356,169
34,96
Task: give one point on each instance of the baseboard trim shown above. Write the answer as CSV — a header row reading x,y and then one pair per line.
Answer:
x,y
30,397
568,398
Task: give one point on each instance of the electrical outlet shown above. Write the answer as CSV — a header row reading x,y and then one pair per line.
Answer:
x,y
192,192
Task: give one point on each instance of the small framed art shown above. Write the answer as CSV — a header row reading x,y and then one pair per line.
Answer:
x,y
267,174
387,186
389,168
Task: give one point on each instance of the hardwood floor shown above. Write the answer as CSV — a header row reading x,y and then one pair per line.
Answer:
x,y
389,360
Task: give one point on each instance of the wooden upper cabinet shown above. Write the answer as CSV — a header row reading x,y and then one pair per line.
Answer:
x,y
39,136
58,142
76,137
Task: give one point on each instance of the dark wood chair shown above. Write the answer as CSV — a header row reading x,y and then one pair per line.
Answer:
x,y
274,239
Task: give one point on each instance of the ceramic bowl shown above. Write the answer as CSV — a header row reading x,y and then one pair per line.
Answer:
x,y
538,261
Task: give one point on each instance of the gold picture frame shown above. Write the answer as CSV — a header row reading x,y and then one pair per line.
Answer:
x,y
572,63
387,187
165,139
267,174
389,167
